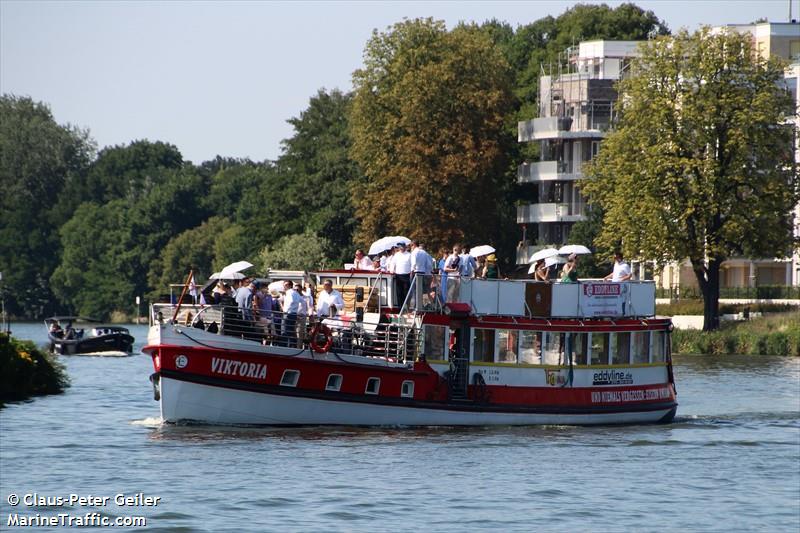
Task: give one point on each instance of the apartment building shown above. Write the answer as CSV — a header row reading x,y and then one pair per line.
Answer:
x,y
577,101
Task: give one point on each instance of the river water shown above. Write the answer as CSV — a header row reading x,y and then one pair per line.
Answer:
x,y
730,461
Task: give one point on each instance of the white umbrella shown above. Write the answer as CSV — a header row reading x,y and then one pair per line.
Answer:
x,y
548,262
543,254
554,260
379,246
483,249
275,286
238,266
386,243
226,275
577,249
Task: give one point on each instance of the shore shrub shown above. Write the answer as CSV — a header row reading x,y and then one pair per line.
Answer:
x,y
27,371
778,334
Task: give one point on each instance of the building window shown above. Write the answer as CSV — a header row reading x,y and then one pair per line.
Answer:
x,y
407,389
483,345
530,347
641,347
507,344
595,149
290,378
373,386
334,382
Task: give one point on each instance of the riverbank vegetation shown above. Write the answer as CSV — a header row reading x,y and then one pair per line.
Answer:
x,y
27,371
774,334
695,307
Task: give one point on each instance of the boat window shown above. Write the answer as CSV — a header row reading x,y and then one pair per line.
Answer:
x,y
507,345
620,348
641,346
434,343
659,343
553,353
579,346
334,382
483,345
530,347
599,351
290,378
373,386
407,390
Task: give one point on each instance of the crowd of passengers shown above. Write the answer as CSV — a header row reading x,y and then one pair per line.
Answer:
x,y
252,310
272,315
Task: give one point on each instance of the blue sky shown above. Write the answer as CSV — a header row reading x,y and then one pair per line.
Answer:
x,y
222,78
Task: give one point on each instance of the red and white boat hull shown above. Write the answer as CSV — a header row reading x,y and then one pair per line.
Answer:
x,y
203,377
187,401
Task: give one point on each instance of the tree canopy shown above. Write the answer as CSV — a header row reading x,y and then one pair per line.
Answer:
x,y
700,164
427,126
40,161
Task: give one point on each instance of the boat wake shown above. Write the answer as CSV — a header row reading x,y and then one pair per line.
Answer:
x,y
149,422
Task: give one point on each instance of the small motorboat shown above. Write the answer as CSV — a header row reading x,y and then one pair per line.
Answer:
x,y
74,335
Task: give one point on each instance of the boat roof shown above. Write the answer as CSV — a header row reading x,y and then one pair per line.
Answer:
x,y
72,318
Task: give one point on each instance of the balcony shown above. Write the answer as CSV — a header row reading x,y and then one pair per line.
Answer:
x,y
536,213
546,171
544,128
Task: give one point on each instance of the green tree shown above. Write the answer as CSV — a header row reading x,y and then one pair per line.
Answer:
x,y
192,249
321,175
39,162
234,244
304,251
94,275
128,172
700,164
169,208
428,131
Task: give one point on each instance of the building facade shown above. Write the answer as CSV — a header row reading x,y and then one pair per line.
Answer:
x,y
577,104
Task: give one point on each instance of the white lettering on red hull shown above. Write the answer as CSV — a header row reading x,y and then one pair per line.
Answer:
x,y
662,393
230,367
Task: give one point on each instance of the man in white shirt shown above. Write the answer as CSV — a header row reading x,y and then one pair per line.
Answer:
x,y
291,307
401,268
361,261
421,267
329,297
622,270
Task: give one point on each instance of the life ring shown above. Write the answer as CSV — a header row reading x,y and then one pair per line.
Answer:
x,y
321,328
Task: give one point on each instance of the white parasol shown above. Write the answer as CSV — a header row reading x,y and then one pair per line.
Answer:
x,y
548,262
543,254
275,286
386,243
483,249
234,268
577,249
226,275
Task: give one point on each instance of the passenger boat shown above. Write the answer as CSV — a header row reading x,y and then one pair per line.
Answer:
x,y
453,352
74,335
